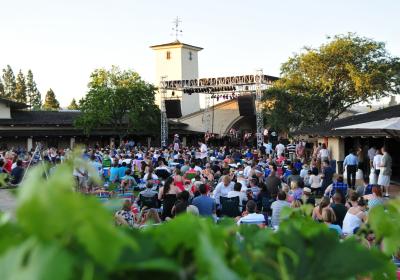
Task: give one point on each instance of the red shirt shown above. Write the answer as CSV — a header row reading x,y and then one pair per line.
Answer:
x,y
8,165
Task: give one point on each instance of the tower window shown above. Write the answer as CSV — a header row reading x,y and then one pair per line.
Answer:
x,y
168,55
190,56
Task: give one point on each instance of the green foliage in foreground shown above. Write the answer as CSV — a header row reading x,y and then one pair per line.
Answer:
x,y
60,234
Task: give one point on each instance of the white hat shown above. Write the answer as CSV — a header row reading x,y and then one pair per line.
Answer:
x,y
306,190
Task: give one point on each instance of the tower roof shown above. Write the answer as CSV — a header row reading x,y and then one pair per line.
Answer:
x,y
175,44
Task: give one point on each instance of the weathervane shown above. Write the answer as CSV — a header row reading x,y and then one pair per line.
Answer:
x,y
176,28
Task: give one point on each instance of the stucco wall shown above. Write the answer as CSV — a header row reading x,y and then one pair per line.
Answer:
x,y
4,111
225,115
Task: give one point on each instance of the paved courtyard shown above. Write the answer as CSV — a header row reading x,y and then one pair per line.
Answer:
x,y
7,201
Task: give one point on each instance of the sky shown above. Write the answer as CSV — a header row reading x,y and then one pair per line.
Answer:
x,y
62,42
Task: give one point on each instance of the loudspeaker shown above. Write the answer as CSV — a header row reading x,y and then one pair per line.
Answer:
x,y
246,105
173,108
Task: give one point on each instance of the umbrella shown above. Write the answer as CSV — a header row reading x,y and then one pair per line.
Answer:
x,y
389,126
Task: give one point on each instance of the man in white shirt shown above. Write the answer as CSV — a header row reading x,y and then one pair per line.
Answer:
x,y
246,171
237,192
280,149
223,188
203,150
252,217
376,163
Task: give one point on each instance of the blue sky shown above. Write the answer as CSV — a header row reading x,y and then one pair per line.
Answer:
x,y
64,41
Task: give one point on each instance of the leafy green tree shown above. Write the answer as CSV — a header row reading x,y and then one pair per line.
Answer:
x,y
50,101
1,88
120,99
73,105
33,94
284,111
9,82
341,73
20,89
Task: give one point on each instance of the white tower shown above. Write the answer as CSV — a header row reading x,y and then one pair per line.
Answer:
x,y
178,61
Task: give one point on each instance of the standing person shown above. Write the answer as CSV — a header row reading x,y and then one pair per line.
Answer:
x,y
351,164
371,154
177,143
327,175
203,151
300,148
323,153
280,149
376,163
386,171
291,147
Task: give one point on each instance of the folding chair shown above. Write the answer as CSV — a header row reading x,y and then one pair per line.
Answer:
x,y
230,206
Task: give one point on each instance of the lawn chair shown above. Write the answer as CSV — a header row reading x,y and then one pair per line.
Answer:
x,y
230,206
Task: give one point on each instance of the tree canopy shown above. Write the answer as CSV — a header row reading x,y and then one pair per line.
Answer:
x,y
20,89
50,101
9,82
33,95
347,70
120,99
73,105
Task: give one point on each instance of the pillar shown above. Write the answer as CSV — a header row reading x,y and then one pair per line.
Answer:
x,y
72,142
184,141
112,142
29,143
148,142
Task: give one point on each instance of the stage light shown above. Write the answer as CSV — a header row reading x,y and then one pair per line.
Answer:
x,y
173,93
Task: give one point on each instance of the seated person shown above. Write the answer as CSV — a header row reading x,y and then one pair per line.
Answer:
x,y
338,186
181,203
365,189
237,192
250,216
277,206
125,215
191,173
127,181
17,173
147,192
329,218
204,203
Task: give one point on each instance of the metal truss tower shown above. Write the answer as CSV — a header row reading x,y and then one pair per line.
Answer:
x,y
164,119
259,109
207,114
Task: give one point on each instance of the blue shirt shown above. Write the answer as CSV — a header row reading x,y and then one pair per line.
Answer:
x,y
205,204
339,186
351,159
121,171
335,228
114,174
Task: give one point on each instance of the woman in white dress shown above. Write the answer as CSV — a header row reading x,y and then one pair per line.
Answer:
x,y
355,217
386,171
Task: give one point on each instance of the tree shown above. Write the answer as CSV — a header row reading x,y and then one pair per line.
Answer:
x,y
50,101
341,73
9,82
73,105
1,88
20,89
120,99
33,94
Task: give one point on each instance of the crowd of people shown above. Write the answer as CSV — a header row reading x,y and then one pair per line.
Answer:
x,y
250,185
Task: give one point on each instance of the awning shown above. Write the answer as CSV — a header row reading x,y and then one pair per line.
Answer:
x,y
389,126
